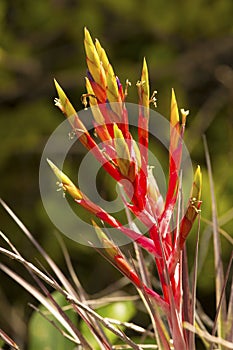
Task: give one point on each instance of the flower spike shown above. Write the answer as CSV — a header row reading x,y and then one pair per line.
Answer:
x,y
125,158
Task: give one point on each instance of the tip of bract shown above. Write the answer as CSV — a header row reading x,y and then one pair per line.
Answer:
x,y
55,169
145,82
86,32
60,92
198,182
174,110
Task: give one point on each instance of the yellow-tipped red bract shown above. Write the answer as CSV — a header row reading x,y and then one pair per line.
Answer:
x,y
174,116
93,102
111,249
66,107
197,185
63,102
193,208
175,156
143,136
175,138
67,184
144,88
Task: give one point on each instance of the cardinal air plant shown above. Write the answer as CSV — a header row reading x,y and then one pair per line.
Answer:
x,y
125,159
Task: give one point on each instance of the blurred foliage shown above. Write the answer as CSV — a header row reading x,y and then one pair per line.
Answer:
x,y
188,46
41,332
121,311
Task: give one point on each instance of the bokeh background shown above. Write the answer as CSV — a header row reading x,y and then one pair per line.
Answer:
x,y
188,45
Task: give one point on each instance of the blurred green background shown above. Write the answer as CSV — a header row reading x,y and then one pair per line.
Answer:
x,y
188,45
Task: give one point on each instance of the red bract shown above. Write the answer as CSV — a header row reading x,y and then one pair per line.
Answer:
x,y
124,159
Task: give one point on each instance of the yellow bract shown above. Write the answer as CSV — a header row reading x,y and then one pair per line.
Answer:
x,y
102,55
93,103
145,85
93,61
122,150
67,184
110,247
63,102
197,184
174,110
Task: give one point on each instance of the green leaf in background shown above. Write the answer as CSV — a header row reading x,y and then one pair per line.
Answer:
x,y
121,311
44,336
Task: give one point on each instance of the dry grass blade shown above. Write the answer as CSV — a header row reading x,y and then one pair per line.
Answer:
x,y
6,239
222,294
93,324
229,323
34,271
208,337
44,315
70,267
220,230
104,322
30,267
206,235
217,250
160,331
132,326
8,340
96,303
51,263
200,325
43,300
